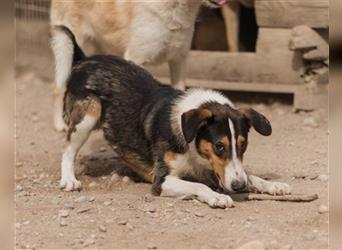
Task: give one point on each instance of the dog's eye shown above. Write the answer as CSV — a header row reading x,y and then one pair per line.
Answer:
x,y
219,146
243,145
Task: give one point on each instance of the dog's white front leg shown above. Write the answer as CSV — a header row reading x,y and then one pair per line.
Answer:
x,y
175,187
178,73
257,184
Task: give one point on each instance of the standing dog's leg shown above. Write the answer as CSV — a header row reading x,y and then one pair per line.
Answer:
x,y
77,136
63,54
178,73
175,187
257,184
231,17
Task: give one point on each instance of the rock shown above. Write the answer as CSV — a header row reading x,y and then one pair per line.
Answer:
x,y
148,198
309,236
103,228
89,242
107,203
255,244
310,122
83,210
68,206
199,214
322,209
122,222
63,213
152,246
19,188
250,218
91,199
93,184
63,223
323,177
19,164
126,179
115,177
150,210
80,199
129,226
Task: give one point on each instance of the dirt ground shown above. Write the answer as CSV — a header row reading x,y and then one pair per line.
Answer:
x,y
113,212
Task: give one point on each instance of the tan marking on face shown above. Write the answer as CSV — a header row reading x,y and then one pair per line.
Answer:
x,y
225,141
240,140
218,164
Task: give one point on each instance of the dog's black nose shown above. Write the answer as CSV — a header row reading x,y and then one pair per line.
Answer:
x,y
238,185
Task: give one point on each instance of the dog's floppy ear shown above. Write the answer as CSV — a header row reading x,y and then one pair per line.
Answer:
x,y
257,121
192,120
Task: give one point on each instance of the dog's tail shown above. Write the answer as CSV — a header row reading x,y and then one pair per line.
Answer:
x,y
66,51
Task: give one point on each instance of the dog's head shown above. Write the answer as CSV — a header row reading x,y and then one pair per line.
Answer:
x,y
214,3
220,134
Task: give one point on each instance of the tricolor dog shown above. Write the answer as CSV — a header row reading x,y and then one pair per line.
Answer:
x,y
186,143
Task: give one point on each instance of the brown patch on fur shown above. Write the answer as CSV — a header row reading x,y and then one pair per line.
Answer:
x,y
168,157
206,150
139,166
225,142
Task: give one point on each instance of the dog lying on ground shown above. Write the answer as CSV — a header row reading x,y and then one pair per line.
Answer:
x,y
183,142
145,32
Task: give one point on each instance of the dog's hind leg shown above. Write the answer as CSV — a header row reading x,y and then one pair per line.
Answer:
x,y
82,120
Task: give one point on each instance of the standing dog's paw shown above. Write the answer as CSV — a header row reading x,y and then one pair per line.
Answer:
x,y
220,200
277,188
70,184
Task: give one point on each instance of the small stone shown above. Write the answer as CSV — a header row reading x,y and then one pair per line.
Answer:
x,y
255,244
122,222
309,236
199,214
88,242
68,206
129,226
103,149
107,203
19,188
323,177
152,246
83,210
17,225
103,228
91,199
148,198
63,213
93,184
311,122
80,199
322,209
63,223
151,210
115,177
19,164
126,179
250,218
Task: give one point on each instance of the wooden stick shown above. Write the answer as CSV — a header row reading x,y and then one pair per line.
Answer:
x,y
292,198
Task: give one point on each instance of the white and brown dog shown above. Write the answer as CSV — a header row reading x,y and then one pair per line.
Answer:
x,y
186,143
145,32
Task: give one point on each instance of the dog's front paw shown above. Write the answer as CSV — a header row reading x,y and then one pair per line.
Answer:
x,y
277,188
220,201
60,125
70,184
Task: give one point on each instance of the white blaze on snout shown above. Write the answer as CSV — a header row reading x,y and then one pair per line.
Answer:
x,y
234,170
